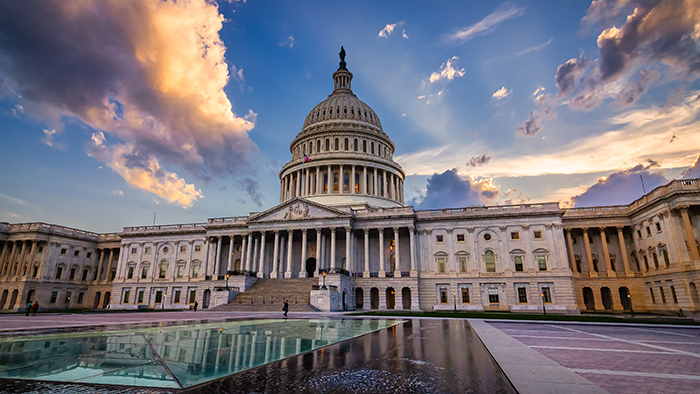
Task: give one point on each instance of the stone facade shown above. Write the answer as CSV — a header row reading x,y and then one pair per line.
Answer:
x,y
341,212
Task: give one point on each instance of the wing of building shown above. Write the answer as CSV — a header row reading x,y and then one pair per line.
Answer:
x,y
342,238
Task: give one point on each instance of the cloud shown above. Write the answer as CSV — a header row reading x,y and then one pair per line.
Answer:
x,y
545,104
150,75
388,29
49,135
502,93
118,192
13,200
538,91
479,160
621,188
253,189
447,71
289,42
530,49
449,190
404,35
502,13
693,172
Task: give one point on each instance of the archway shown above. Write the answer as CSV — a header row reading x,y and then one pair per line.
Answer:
x,y
588,299
406,298
205,300
606,297
359,298
625,298
96,303
374,298
30,296
237,265
310,266
13,299
390,298
4,299
105,301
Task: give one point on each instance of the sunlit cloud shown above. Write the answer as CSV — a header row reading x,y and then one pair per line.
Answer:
x,y
389,28
404,34
502,93
446,71
502,13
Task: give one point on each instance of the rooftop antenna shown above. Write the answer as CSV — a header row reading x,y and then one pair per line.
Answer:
x,y
154,217
643,188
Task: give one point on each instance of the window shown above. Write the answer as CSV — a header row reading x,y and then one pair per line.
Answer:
x,y
311,147
165,249
590,240
193,297
443,295
85,274
612,263
183,249
465,295
198,248
364,146
133,250
656,260
441,265
147,250
162,270
651,293
595,263
347,144
144,271
81,297
547,295
72,273
439,238
663,296
522,295
54,296
89,254
658,227
180,270
336,146
542,262
648,232
490,261
354,145
76,253
346,183
460,237
176,297
462,264
537,234
328,144
493,295
63,252
318,146
41,249
357,182
195,270
518,263
487,237
639,234
515,235
371,145
140,297
573,240
130,272
59,272
665,254
126,297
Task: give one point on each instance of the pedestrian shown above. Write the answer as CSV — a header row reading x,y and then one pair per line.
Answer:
x,y
29,308
285,308
196,304
35,308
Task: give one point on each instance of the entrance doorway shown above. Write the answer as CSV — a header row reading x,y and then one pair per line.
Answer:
x,y
625,298
374,298
310,266
96,303
390,298
588,299
359,298
30,296
606,296
105,302
205,300
406,298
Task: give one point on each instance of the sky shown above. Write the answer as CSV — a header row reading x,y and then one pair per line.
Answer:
x,y
117,114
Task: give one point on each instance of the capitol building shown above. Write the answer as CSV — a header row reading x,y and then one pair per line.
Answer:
x,y
343,234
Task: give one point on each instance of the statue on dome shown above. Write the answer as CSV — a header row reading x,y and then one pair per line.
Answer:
x,y
342,59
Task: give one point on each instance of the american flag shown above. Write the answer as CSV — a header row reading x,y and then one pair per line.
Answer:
x,y
306,158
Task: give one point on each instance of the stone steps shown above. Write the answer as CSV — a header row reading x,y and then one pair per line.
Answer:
x,y
269,295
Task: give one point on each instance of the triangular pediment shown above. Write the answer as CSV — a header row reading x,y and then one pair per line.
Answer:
x,y
298,209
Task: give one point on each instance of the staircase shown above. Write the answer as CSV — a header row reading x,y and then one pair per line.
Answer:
x,y
268,295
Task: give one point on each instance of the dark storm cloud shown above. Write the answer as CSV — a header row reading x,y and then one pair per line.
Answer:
x,y
479,160
449,190
621,188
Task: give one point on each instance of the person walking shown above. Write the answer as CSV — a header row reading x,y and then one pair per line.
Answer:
x,y
196,304
29,308
285,308
35,308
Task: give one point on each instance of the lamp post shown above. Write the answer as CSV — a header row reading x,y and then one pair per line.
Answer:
x,y
324,281
227,275
454,299
629,298
544,309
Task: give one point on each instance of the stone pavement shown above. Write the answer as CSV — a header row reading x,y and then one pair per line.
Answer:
x,y
618,358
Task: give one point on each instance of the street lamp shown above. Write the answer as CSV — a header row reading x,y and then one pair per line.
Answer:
x,y
544,309
227,275
454,299
324,281
629,298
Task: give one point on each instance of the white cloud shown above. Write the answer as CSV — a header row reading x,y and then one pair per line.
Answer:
x,y
502,93
502,13
387,30
118,192
530,49
289,42
404,35
48,137
538,91
446,71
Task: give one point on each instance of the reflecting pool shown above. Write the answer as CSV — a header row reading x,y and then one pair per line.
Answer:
x,y
172,357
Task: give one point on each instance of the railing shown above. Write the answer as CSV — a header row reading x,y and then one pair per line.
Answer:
x,y
242,273
374,274
233,219
366,211
357,274
227,288
405,274
481,208
154,229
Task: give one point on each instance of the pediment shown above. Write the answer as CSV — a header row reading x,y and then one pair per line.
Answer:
x,y
298,209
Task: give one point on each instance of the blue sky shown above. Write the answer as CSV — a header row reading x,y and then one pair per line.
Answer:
x,y
112,111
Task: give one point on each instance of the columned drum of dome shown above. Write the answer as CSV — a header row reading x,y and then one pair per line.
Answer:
x,y
342,157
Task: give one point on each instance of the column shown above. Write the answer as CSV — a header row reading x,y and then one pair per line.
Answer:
x,y
392,191
591,271
230,253
608,264
290,237
341,180
302,269
366,273
397,269
322,257
570,244
330,180
20,262
261,264
411,235
99,266
352,180
3,256
623,250
318,251
275,255
109,264
217,257
382,273
318,180
332,248
307,183
375,191
244,253
689,235
347,248
254,261
248,252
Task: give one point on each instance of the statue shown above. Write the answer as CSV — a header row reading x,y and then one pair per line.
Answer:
x,y
342,54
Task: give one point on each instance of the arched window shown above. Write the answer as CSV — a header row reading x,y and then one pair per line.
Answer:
x,y
490,261
354,145
311,147
371,145
325,182
347,144
357,182
364,146
163,269
318,146
328,144
336,182
346,183
304,149
337,144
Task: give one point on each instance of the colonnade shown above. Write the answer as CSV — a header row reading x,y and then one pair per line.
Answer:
x,y
17,257
314,180
593,271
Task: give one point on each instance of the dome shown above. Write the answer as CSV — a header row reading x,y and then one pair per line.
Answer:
x,y
342,105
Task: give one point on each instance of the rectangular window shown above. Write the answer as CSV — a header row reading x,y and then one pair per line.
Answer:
x,y
126,297
59,272
85,274
89,255
441,265
522,295
547,295
639,234
493,296
465,295
542,262
515,235
140,299
658,227
183,249
443,296
144,272
76,253
193,296
462,264
537,234
176,299
673,294
518,263
439,239
130,272
490,260
81,297
67,300
63,252
460,237
72,274
664,252
54,296
162,270
648,232
133,250
651,293
180,270
198,248
195,270
147,250
663,296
